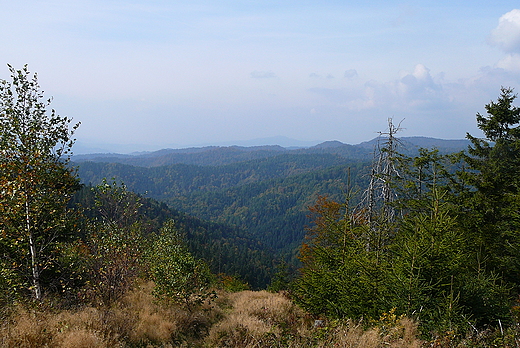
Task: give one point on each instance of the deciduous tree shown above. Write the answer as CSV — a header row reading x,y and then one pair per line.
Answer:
x,y
36,182
178,276
115,242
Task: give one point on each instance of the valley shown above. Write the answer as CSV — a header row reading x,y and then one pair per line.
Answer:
x,y
262,194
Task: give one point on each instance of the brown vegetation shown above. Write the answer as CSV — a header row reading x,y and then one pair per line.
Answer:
x,y
134,321
242,319
263,319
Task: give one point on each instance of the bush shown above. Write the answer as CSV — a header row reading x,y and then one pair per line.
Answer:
x,y
178,276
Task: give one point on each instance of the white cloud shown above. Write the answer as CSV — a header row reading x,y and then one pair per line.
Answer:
x,y
418,85
505,72
262,74
318,76
350,74
506,35
414,92
510,63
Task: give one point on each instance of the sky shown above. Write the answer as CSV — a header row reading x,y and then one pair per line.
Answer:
x,y
145,75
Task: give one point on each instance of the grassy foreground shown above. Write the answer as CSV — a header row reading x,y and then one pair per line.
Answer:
x,y
241,319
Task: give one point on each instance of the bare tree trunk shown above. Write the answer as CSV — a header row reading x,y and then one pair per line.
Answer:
x,y
380,193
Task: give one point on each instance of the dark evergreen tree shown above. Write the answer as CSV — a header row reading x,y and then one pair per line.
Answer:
x,y
341,277
492,201
442,256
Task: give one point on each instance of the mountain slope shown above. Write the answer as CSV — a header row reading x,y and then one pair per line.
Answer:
x,y
217,155
180,179
225,248
267,199
264,199
274,211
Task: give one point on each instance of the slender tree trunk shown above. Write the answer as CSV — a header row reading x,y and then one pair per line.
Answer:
x,y
34,254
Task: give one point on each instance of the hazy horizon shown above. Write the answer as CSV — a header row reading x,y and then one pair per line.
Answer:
x,y
81,148
159,73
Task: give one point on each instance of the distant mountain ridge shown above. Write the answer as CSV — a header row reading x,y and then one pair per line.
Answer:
x,y
221,155
262,192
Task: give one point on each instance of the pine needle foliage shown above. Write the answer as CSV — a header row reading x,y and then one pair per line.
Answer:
x,y
430,246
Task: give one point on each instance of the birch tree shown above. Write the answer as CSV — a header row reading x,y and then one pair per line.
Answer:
x,y
36,182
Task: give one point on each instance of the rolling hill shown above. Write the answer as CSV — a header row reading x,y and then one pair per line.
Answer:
x,y
262,193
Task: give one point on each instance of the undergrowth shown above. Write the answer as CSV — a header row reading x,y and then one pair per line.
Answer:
x,y
243,319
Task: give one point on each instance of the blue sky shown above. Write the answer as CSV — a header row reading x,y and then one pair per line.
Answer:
x,y
155,74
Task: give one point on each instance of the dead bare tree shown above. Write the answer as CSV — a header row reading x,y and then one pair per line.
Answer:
x,y
380,193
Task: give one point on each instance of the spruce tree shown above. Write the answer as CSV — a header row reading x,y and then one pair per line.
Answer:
x,y
492,203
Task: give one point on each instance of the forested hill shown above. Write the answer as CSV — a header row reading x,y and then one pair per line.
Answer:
x,y
274,211
215,156
165,182
227,250
211,155
267,198
262,192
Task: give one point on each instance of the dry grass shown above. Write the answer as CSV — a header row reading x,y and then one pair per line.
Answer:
x,y
257,319
350,335
136,320
263,319
244,319
64,329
